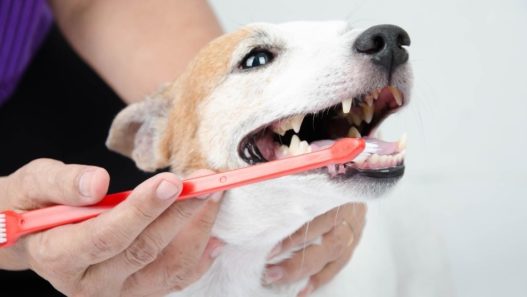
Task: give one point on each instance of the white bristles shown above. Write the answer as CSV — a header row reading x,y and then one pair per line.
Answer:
x,y
371,148
3,231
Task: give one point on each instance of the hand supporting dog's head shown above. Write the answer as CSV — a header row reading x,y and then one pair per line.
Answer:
x,y
269,91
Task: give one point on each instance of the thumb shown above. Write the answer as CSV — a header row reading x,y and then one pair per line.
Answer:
x,y
44,182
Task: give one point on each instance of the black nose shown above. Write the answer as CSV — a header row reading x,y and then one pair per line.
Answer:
x,y
384,43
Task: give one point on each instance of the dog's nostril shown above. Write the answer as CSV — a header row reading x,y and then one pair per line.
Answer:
x,y
384,43
371,46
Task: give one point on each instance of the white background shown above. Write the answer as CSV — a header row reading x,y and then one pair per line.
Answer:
x,y
467,155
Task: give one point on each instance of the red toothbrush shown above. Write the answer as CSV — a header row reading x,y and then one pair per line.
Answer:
x,y
13,224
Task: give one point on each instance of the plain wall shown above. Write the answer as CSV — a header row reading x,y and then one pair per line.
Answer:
x,y
466,161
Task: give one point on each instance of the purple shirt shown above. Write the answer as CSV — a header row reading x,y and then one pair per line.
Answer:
x,y
23,26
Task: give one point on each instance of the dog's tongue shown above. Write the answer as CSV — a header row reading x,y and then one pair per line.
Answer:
x,y
271,151
383,147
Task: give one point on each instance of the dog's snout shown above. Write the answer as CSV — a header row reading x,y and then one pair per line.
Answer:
x,y
384,43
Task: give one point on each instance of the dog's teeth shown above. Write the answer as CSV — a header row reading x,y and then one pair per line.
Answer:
x,y
369,100
399,158
293,146
401,144
332,170
397,95
368,112
304,147
281,128
374,159
354,133
296,122
291,123
346,105
355,118
375,94
283,150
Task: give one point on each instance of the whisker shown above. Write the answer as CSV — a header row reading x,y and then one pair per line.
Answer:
x,y
303,249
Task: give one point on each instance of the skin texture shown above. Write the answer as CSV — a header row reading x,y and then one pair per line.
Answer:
x,y
120,251
136,50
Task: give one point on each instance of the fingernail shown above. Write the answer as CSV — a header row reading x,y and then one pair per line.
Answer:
x,y
306,291
85,182
275,251
273,274
216,197
166,190
216,251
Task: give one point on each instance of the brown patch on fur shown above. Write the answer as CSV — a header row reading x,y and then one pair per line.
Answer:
x,y
179,141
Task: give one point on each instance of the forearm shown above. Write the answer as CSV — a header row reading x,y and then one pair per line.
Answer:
x,y
136,45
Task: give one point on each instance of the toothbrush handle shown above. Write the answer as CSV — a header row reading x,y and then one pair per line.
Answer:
x,y
342,151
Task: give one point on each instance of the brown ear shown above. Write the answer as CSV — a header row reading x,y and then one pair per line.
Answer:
x,y
136,132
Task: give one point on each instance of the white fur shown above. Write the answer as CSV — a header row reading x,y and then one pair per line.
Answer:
x,y
315,67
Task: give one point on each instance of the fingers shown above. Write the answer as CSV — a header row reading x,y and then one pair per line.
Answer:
x,y
320,225
320,262
351,212
326,274
107,235
313,258
151,242
185,259
45,181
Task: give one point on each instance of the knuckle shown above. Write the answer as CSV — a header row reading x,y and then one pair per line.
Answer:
x,y
103,243
295,268
142,252
180,275
42,254
205,222
27,180
336,244
142,213
181,211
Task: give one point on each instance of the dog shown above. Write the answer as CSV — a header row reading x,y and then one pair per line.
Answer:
x,y
268,91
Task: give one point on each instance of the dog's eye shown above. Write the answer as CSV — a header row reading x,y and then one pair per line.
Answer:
x,y
257,58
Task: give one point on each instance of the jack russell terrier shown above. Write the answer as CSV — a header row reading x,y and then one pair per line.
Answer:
x,y
269,91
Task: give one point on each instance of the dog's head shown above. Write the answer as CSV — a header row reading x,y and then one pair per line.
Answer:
x,y
268,91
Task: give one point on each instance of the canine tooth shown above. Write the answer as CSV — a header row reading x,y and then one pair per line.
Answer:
x,y
279,130
397,95
401,144
368,112
346,105
296,122
295,141
354,133
356,118
369,100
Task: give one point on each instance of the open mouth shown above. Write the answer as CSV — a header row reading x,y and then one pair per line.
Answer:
x,y
356,117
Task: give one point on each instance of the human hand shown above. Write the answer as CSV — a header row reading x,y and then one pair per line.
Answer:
x,y
145,245
340,230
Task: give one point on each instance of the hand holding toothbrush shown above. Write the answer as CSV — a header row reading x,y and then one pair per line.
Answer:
x,y
118,251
